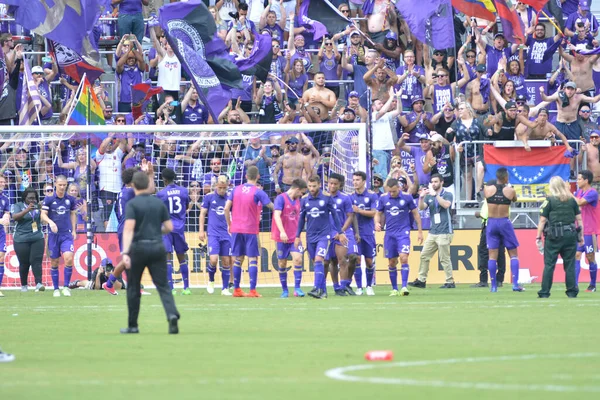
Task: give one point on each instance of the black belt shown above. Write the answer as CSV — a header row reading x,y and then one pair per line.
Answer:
x,y
481,112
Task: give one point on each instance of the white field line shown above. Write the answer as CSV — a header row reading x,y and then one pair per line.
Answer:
x,y
345,374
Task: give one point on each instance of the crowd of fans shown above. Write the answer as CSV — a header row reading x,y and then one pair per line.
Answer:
x,y
422,102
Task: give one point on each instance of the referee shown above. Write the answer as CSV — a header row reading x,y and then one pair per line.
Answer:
x,y
146,220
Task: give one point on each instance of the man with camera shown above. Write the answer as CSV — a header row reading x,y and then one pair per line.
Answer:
x,y
99,277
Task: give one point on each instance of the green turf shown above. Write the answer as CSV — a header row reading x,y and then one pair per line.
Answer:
x,y
273,348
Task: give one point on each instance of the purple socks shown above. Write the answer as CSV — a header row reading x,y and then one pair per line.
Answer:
x,y
283,278
237,274
211,269
404,273
111,280
67,275
170,273
253,272
514,270
358,277
370,272
54,275
2,275
319,274
393,277
297,276
492,269
593,273
185,274
225,276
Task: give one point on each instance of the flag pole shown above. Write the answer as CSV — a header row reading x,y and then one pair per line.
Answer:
x,y
88,225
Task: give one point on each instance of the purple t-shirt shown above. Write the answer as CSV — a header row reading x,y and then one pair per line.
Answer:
x,y
365,201
59,211
419,157
195,115
329,67
176,198
44,89
217,225
130,7
297,85
129,77
411,87
123,197
397,212
493,55
535,55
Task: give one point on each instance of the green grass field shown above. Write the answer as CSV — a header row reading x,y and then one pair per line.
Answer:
x,y
455,344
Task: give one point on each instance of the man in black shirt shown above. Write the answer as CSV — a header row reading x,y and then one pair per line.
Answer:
x,y
146,220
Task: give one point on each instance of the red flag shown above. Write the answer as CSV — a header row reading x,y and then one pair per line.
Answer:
x,y
474,8
511,23
536,4
141,93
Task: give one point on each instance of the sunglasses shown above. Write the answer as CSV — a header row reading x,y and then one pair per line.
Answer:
x,y
194,186
49,190
345,11
470,56
594,137
215,163
585,111
440,76
437,54
276,46
120,120
328,44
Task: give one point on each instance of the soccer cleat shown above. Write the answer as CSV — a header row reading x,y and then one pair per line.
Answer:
x,y
253,293
359,292
448,286
480,284
591,289
225,292
499,284
315,293
285,294
418,284
210,288
1,294
40,288
404,291
238,293
518,288
298,293
74,284
349,290
66,292
186,292
340,292
24,289
110,290
173,328
5,357
370,291
144,293
126,331
174,291
494,289
56,293
394,293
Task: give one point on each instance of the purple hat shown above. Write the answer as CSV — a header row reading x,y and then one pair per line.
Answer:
x,y
106,261
391,35
353,93
417,99
584,5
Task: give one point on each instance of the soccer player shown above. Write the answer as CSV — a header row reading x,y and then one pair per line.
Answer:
x,y
219,240
587,198
177,200
500,195
393,211
365,208
344,256
283,231
315,211
60,213
242,213
4,221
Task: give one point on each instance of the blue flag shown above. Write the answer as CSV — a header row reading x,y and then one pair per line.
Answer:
x,y
68,22
430,21
191,31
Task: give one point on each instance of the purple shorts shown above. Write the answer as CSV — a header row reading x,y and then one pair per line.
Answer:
x,y
2,241
367,247
219,247
244,244
317,249
352,246
59,243
175,241
394,245
588,245
501,230
284,250
120,237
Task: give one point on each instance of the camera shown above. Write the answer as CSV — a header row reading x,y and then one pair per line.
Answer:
x,y
109,269
234,15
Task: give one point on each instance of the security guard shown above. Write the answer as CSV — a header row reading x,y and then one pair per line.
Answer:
x,y
562,226
484,255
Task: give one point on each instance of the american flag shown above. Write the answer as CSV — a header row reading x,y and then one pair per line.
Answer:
x,y
31,104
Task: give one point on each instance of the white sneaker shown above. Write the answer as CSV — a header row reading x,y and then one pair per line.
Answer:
x,y
66,292
359,292
211,288
144,293
56,293
1,295
24,289
370,291
5,357
40,288
404,291
225,292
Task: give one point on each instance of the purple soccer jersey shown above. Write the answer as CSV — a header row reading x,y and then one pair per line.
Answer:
x,y
217,225
177,199
59,211
123,197
4,208
397,213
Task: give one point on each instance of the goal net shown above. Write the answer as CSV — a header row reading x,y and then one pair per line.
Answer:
x,y
198,154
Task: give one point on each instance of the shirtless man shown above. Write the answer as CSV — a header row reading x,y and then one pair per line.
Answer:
x,y
544,131
380,78
293,164
378,23
320,97
593,157
581,68
566,120
478,92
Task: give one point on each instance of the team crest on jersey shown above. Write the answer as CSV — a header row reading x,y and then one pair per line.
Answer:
x,y
321,203
402,202
339,201
67,202
367,199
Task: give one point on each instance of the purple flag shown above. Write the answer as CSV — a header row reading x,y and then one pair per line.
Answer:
x,y
191,31
590,52
430,21
320,17
68,22
258,63
31,104
74,65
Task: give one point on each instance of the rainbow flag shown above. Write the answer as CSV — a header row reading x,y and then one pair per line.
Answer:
x,y
87,98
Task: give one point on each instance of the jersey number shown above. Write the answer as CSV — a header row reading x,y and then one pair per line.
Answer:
x,y
405,249
174,205
322,252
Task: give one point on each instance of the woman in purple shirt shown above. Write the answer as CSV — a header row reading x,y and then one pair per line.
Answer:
x,y
296,79
329,62
80,169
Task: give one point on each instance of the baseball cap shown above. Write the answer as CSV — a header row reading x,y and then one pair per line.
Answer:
x,y
584,5
139,144
510,104
293,139
106,261
37,70
391,35
108,105
594,133
481,68
417,99
437,138
521,97
571,85
543,110
423,136
497,35
354,33
402,180
348,109
353,93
